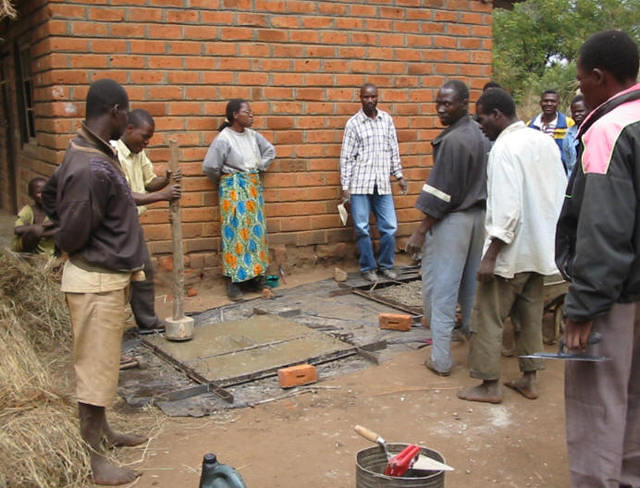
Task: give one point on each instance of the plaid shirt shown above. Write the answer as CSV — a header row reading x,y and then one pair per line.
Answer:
x,y
369,154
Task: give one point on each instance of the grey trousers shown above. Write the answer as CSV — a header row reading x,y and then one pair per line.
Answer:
x,y
603,405
450,260
143,297
522,299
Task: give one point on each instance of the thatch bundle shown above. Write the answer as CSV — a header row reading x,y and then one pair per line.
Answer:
x,y
7,9
30,288
39,440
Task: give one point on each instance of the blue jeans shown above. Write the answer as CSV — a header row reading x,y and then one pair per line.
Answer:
x,y
450,260
386,222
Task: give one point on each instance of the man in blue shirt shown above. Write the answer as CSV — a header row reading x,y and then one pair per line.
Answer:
x,y
579,111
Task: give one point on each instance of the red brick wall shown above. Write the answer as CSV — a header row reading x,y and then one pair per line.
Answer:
x,y
298,61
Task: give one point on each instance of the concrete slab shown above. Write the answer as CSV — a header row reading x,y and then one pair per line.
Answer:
x,y
238,350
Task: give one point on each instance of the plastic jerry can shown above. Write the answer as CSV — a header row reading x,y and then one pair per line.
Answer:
x,y
216,475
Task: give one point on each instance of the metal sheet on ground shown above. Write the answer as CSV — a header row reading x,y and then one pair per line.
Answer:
x,y
240,349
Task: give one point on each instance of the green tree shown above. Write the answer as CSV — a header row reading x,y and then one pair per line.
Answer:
x,y
536,43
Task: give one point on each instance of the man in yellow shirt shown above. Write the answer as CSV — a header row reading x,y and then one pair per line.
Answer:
x,y
146,188
33,231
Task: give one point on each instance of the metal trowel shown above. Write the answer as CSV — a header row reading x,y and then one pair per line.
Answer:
x,y
409,458
562,353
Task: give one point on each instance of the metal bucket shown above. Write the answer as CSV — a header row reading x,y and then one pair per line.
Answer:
x,y
371,462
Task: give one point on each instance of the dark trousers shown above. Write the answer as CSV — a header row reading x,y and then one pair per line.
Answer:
x,y
143,297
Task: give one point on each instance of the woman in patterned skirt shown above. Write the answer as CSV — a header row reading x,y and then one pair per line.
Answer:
x,y
234,161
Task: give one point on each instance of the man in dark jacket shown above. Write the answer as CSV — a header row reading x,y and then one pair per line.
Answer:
x,y
90,201
453,201
598,250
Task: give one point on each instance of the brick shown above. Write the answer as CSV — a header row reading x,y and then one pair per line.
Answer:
x,y
206,33
237,64
251,50
282,22
252,78
89,29
317,22
201,92
252,20
144,15
183,77
166,262
272,35
109,46
301,374
89,61
127,30
268,65
334,38
335,9
165,62
148,47
378,25
301,7
183,16
406,27
110,14
236,34
217,77
178,47
392,40
363,11
127,61
284,51
169,32
271,5
395,321
61,11
481,31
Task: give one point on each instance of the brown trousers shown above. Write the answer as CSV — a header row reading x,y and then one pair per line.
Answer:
x,y
522,299
97,320
603,405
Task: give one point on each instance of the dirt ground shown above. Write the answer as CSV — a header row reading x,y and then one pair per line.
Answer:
x,y
308,440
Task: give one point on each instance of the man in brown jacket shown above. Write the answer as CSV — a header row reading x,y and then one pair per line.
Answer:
x,y
89,199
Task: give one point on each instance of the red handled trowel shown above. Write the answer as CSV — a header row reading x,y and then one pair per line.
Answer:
x,y
408,458
570,356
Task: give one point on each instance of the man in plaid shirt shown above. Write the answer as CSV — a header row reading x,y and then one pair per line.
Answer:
x,y
369,155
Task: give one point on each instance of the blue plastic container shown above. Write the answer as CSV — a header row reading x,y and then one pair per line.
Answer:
x,y
216,475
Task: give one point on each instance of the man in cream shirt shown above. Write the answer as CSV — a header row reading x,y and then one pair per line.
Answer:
x,y
525,190
146,188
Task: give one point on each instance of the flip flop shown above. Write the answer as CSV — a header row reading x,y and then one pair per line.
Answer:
x,y
464,395
525,392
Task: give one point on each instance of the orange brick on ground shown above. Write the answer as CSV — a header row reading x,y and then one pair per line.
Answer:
x,y
300,374
395,321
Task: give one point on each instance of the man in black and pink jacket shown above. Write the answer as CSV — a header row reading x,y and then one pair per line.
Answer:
x,y
598,250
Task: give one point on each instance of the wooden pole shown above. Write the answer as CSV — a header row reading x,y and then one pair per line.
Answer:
x,y
176,233
179,327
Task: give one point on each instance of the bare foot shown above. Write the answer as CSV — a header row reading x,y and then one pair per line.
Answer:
x,y
105,473
525,385
488,392
119,439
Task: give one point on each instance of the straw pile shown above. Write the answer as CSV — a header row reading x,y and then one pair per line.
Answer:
x,y
39,440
